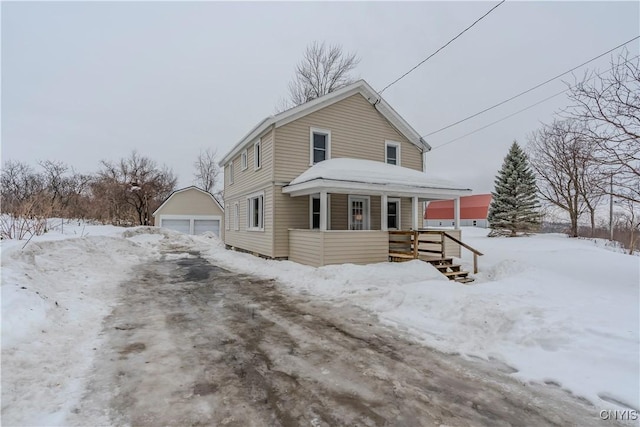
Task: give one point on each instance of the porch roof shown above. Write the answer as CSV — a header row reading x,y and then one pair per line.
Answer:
x,y
367,177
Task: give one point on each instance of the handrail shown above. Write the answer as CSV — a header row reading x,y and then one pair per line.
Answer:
x,y
475,251
414,243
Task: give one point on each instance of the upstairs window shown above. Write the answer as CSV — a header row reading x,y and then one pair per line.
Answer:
x,y
392,153
320,145
257,155
244,159
231,173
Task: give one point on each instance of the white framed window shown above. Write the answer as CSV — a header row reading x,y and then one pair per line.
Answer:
x,y
359,213
314,212
392,153
236,216
244,159
255,212
231,172
393,214
257,155
226,217
319,145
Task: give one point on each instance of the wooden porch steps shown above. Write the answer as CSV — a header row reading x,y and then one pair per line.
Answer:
x,y
450,270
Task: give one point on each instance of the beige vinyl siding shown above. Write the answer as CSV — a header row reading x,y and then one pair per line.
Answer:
x,y
358,130
249,180
356,247
451,248
406,213
290,212
190,202
260,242
316,248
306,247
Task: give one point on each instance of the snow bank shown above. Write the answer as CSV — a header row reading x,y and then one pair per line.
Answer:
x,y
55,293
546,308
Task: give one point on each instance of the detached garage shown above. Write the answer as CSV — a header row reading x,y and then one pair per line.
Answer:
x,y
191,210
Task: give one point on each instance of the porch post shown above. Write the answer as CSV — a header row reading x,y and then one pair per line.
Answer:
x,y
456,212
415,206
323,211
383,213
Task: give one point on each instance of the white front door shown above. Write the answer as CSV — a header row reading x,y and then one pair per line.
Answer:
x,y
359,213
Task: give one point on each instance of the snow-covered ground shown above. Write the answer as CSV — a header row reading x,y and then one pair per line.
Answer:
x,y
557,310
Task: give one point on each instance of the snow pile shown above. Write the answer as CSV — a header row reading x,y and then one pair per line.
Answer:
x,y
55,293
371,172
546,307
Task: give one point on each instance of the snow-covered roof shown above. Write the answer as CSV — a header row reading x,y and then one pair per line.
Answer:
x,y
346,175
295,113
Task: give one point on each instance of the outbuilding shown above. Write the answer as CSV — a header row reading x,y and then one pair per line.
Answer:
x,y
473,212
191,210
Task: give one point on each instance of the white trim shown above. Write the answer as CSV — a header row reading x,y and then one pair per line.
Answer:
x,y
367,208
236,216
245,157
398,201
258,144
350,187
295,113
191,187
388,143
230,172
260,226
327,132
227,216
317,196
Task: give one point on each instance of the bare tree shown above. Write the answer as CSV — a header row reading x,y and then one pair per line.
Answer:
x,y
323,69
562,159
134,187
206,169
608,105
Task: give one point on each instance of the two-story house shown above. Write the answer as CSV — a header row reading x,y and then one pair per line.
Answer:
x,y
322,183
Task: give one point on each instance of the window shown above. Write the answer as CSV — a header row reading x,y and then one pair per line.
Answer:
x,y
236,216
475,223
257,155
255,212
359,213
315,212
320,145
392,153
393,214
244,159
226,216
231,173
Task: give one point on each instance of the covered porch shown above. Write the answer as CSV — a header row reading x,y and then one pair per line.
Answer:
x,y
354,204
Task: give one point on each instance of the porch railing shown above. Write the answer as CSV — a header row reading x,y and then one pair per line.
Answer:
x,y
425,244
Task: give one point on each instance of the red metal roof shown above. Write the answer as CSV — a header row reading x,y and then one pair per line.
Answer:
x,y
471,207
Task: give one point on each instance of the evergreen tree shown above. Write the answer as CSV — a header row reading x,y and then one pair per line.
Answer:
x,y
515,204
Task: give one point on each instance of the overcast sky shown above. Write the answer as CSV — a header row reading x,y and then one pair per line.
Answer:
x,y
82,82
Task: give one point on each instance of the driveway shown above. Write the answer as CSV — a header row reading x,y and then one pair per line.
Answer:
x,y
193,344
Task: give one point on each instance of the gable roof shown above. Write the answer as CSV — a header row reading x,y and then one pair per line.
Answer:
x,y
361,87
471,207
191,187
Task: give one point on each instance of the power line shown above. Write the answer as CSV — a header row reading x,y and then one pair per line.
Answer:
x,y
520,111
442,47
529,90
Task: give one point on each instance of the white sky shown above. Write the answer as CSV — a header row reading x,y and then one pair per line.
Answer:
x,y
85,81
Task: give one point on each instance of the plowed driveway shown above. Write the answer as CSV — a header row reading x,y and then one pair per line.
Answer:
x,y
193,344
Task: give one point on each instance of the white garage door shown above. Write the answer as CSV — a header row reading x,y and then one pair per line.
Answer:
x,y
181,225
202,225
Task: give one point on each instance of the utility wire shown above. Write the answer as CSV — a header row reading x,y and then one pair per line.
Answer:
x,y
529,90
442,47
519,111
